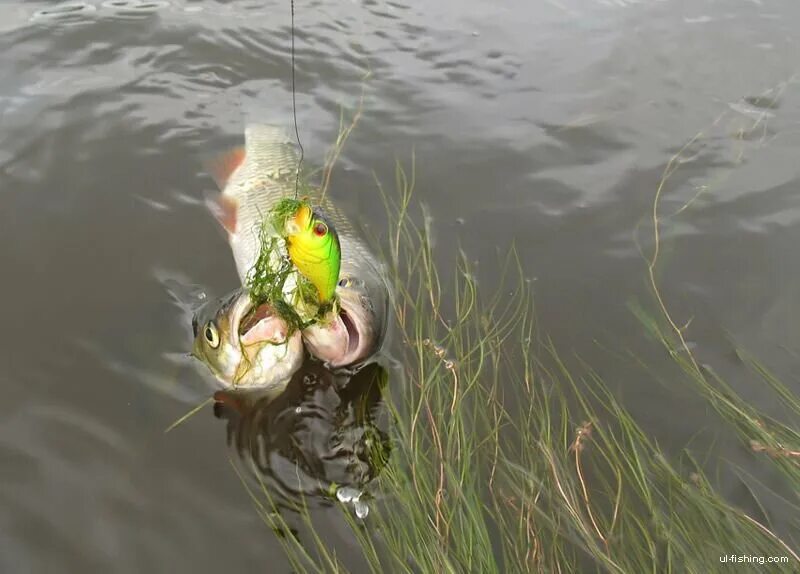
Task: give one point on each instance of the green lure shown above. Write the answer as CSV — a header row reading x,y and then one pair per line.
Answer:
x,y
313,246
314,251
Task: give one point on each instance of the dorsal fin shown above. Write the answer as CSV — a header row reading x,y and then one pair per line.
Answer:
x,y
222,166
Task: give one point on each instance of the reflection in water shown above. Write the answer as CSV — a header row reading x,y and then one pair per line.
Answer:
x,y
324,433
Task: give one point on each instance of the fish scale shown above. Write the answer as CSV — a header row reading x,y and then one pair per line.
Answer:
x,y
266,176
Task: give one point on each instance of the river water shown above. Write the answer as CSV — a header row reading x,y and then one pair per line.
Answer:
x,y
545,124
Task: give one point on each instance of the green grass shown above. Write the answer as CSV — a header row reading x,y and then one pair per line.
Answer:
x,y
504,459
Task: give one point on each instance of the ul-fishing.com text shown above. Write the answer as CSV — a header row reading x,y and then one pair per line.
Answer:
x,y
750,559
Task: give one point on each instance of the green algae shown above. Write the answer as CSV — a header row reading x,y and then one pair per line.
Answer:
x,y
267,279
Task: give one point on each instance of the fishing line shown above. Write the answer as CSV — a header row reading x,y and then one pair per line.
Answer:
x,y
294,113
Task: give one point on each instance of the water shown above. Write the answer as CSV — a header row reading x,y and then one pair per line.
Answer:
x,y
548,124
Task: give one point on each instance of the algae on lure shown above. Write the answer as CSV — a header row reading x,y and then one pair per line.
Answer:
x,y
313,250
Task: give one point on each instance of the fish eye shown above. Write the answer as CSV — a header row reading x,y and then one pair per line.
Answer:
x,y
320,229
211,334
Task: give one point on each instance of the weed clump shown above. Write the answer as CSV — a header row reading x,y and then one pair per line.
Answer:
x,y
274,279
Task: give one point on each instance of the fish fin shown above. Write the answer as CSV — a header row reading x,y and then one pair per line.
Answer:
x,y
229,400
222,166
268,329
224,209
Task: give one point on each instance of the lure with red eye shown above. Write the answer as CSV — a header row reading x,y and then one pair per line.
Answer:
x,y
320,229
313,246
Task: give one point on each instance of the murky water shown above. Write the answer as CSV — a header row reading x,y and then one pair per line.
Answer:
x,y
548,124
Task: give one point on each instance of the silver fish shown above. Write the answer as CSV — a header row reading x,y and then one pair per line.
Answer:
x,y
253,180
243,345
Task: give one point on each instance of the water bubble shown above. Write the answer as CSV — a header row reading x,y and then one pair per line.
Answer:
x,y
348,494
361,508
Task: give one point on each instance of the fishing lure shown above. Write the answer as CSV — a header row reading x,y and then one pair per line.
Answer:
x,y
313,246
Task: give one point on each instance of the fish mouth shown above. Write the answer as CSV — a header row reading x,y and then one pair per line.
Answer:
x,y
240,306
252,316
261,324
344,342
353,336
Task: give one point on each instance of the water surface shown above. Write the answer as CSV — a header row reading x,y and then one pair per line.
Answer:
x,y
547,124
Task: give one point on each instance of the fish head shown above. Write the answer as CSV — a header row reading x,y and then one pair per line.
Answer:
x,y
313,246
352,333
244,344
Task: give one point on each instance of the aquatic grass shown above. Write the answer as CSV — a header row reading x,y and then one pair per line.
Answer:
x,y
345,129
266,281
762,433
779,440
506,460
506,457
182,419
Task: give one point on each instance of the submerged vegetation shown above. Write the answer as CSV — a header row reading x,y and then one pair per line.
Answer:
x,y
266,281
505,459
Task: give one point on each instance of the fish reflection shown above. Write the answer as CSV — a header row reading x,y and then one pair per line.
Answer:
x,y
325,433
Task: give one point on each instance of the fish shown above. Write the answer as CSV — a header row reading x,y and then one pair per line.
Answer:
x,y
255,177
252,179
313,246
351,335
245,345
